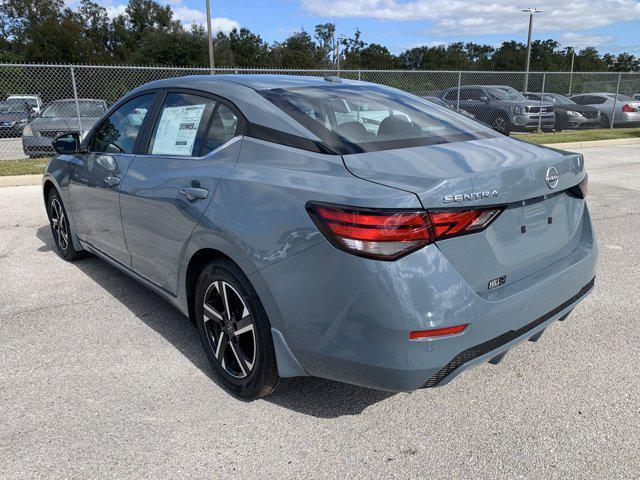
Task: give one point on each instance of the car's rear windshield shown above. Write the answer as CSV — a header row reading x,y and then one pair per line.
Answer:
x,y
505,93
68,109
355,118
13,106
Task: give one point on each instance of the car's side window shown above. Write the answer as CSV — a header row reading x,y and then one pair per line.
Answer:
x,y
118,133
181,124
224,126
598,100
452,95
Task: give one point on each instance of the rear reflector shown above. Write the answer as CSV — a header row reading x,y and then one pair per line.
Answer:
x,y
390,234
437,332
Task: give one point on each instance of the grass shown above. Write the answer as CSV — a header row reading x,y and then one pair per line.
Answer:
x,y
27,166
579,135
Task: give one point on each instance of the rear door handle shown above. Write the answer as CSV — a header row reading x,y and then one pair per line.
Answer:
x,y
194,193
112,181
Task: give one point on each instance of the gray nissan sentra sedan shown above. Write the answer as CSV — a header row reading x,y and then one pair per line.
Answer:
x,y
327,227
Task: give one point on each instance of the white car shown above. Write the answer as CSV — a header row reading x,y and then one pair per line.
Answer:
x,y
33,101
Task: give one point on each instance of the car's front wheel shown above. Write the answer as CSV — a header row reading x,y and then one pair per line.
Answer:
x,y
235,331
60,228
502,124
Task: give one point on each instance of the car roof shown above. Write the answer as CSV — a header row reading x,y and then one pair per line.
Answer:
x,y
242,90
259,81
62,100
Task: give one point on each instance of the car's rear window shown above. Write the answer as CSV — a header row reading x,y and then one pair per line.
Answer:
x,y
354,118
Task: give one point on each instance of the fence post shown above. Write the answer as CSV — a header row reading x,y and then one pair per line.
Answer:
x,y
544,81
615,100
459,86
75,97
359,75
573,56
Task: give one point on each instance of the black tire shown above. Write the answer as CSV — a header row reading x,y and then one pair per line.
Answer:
x,y
501,124
60,228
246,369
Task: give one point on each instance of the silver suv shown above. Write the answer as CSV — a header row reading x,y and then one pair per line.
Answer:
x,y
502,107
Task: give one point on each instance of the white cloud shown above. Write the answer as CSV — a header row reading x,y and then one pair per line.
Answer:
x,y
114,10
579,40
484,17
187,16
224,25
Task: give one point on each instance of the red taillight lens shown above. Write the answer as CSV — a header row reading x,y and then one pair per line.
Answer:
x,y
629,108
459,222
381,234
437,332
391,234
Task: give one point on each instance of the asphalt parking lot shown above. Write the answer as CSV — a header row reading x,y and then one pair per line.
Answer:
x,y
100,378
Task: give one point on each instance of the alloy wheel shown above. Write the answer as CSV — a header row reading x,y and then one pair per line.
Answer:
x,y
229,328
500,124
59,225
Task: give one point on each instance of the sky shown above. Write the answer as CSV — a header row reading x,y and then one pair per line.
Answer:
x,y
612,26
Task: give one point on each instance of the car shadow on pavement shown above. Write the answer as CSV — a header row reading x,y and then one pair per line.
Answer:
x,y
307,395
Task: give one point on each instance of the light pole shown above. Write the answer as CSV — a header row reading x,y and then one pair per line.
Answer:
x,y
338,40
210,34
573,57
531,12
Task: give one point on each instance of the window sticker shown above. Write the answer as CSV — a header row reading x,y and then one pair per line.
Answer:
x,y
177,130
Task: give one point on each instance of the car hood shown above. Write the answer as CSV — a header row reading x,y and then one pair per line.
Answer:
x,y
12,116
577,108
520,103
62,123
513,168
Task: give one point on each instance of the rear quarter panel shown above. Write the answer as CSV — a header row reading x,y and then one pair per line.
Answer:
x,y
258,216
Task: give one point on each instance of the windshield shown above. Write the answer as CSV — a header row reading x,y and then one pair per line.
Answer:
x,y
558,99
68,109
353,119
505,93
13,106
32,102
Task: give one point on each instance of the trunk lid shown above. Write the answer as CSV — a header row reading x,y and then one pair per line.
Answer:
x,y
496,171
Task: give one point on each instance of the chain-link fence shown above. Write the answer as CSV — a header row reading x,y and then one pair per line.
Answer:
x,y
38,102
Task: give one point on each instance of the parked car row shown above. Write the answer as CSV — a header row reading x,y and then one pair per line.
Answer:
x,y
507,110
57,118
38,124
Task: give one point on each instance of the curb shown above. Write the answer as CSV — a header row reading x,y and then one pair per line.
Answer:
x,y
20,180
595,143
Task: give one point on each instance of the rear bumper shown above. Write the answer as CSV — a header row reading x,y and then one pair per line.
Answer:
x,y
346,318
502,343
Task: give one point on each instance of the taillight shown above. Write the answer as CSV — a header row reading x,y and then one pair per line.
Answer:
x,y
437,332
390,234
629,108
581,189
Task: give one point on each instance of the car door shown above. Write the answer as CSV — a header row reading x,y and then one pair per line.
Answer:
x,y
193,143
96,177
470,101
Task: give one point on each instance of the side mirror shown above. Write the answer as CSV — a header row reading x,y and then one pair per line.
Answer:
x,y
67,144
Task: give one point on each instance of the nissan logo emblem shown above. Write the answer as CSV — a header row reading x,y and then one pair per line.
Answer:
x,y
552,177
